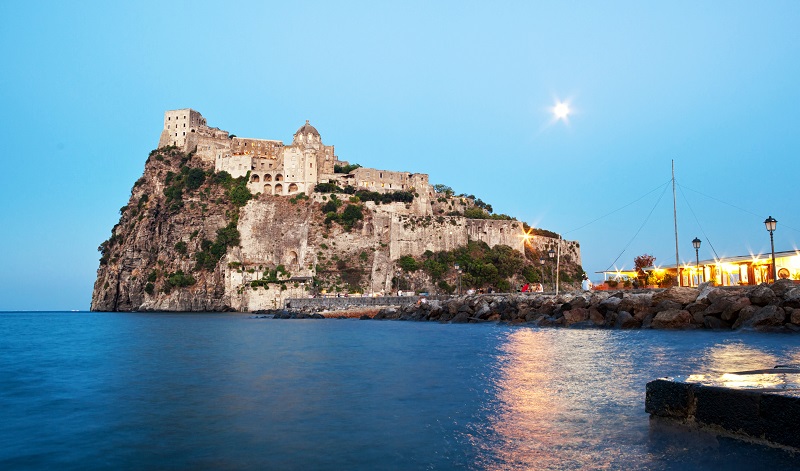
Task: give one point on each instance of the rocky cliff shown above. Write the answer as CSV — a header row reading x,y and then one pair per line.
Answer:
x,y
190,239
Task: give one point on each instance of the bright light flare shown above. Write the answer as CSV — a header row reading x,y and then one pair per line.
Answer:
x,y
526,236
561,111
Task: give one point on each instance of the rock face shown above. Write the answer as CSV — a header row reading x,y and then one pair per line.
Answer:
x,y
724,309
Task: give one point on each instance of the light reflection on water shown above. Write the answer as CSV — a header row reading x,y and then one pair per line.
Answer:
x,y
573,400
214,391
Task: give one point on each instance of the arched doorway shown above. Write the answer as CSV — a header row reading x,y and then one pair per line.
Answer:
x,y
278,189
267,189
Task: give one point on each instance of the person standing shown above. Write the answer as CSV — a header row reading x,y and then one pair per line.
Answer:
x,y
586,285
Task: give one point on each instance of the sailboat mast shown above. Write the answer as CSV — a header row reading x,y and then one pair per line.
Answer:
x,y
675,219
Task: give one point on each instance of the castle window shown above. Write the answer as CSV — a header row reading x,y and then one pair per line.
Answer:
x,y
184,133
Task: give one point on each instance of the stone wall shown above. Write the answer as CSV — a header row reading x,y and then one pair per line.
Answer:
x,y
342,303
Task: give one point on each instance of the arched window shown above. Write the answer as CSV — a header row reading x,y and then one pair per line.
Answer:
x,y
279,178
278,189
292,188
268,189
267,177
254,178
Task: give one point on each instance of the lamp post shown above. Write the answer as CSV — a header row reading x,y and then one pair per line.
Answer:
x,y
558,263
541,263
458,269
696,244
771,223
552,253
398,273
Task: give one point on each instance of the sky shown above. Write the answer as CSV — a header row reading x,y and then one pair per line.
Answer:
x,y
462,91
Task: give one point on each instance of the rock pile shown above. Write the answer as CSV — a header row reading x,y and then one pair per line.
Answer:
x,y
765,307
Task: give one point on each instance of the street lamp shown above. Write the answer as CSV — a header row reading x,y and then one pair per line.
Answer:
x,y
696,244
458,269
771,223
397,277
552,253
541,262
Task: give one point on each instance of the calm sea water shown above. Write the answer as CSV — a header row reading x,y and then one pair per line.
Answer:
x,y
90,391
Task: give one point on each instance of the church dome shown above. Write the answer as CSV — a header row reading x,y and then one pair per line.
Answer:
x,y
307,129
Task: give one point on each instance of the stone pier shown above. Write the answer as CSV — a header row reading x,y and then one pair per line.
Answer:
x,y
758,406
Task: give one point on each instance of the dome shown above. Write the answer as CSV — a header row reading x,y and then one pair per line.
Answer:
x,y
307,129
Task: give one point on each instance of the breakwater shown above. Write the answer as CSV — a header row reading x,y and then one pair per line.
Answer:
x,y
766,307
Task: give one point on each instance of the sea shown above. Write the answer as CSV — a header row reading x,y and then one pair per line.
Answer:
x,y
196,391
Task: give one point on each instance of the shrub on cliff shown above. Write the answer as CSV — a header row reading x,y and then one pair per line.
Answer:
x,y
210,253
178,280
195,178
351,214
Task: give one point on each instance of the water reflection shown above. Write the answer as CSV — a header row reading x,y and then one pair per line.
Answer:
x,y
549,393
740,366
575,400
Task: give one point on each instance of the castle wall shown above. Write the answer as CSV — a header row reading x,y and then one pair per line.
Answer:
x,y
496,232
382,180
256,147
236,165
177,125
413,235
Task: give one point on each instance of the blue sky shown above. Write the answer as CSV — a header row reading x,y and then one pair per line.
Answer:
x,y
459,90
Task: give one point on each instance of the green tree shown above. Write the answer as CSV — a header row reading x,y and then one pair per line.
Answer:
x,y
407,263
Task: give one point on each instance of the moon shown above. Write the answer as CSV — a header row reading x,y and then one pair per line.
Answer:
x,y
561,110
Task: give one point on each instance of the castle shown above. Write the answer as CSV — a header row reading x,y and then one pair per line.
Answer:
x,y
277,168
154,252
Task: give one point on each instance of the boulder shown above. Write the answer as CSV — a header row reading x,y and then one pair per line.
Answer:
x,y
695,307
767,316
744,315
576,315
465,308
715,323
610,304
461,318
792,298
365,317
482,311
672,319
781,287
579,301
732,311
717,307
626,321
795,317
762,295
453,305
595,316
667,305
680,294
610,319
642,312
703,290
